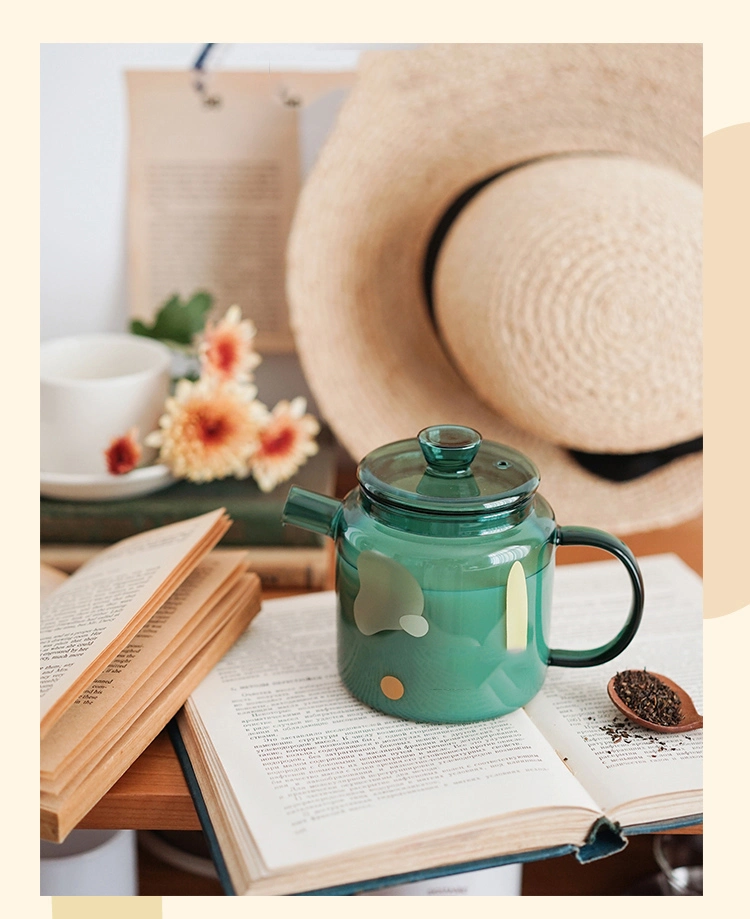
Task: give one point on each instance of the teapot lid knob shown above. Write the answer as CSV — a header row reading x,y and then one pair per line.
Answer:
x,y
449,449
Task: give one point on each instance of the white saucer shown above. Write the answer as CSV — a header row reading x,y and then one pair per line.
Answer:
x,y
104,487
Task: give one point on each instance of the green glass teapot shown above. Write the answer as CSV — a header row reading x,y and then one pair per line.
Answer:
x,y
444,569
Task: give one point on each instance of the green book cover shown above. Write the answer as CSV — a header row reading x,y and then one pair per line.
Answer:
x,y
256,516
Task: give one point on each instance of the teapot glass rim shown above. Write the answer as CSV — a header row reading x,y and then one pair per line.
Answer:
x,y
421,522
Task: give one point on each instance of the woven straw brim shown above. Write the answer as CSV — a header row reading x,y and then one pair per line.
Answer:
x,y
418,128
568,295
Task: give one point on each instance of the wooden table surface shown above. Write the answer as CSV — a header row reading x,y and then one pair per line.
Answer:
x,y
153,793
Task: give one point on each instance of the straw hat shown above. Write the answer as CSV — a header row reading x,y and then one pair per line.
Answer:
x,y
508,237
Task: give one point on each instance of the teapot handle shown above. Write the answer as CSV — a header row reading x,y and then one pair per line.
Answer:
x,y
586,536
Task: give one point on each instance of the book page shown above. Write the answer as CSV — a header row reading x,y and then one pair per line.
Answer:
x,y
213,189
316,773
103,600
169,627
616,760
146,714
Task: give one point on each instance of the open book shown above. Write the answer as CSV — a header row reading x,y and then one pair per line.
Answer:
x,y
307,789
124,641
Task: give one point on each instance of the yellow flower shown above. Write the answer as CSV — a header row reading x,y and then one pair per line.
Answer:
x,y
226,348
286,441
209,430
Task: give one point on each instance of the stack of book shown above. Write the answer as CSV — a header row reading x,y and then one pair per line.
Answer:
x,y
124,641
72,532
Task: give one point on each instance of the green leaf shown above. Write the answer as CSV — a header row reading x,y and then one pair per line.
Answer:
x,y
177,322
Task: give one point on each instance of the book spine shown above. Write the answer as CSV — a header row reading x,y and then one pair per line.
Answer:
x,y
173,729
304,568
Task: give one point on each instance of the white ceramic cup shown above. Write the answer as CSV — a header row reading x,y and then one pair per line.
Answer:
x,y
502,881
95,388
90,863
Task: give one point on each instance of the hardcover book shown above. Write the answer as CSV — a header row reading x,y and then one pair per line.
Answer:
x,y
303,789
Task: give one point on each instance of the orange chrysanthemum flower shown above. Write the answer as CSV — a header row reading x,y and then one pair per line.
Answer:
x,y
226,348
123,454
287,439
209,430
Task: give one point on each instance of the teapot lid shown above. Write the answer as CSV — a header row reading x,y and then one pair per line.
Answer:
x,y
448,469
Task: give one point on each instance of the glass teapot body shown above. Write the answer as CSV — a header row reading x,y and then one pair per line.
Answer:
x,y
424,617
444,574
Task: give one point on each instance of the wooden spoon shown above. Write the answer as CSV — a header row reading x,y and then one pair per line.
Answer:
x,y
690,720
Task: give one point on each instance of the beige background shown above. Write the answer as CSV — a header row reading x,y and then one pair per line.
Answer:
x,y
720,26
727,345
106,907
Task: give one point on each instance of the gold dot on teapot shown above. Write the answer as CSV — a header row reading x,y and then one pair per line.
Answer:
x,y
392,687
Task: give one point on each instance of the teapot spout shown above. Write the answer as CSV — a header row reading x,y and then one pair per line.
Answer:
x,y
311,511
